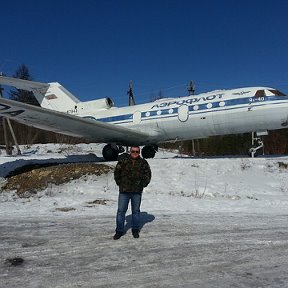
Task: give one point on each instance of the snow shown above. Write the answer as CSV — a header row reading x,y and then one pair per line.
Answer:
x,y
207,222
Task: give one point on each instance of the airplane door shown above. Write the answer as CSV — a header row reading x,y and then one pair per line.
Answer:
x,y
183,113
137,117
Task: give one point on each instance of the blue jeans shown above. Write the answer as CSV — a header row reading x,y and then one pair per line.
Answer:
x,y
123,201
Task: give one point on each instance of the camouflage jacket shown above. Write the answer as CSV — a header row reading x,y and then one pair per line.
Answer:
x,y
132,175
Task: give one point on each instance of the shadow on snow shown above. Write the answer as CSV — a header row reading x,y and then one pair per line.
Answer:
x,y
144,219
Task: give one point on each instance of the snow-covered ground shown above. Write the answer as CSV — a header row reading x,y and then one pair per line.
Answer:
x,y
207,222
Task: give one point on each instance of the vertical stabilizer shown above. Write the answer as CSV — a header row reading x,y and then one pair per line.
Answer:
x,y
56,97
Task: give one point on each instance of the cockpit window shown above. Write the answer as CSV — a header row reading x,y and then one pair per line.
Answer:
x,y
260,93
268,92
277,92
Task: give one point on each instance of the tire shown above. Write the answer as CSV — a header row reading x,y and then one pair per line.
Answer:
x,y
109,154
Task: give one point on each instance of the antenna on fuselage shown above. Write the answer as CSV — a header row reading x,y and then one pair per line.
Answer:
x,y
131,100
191,88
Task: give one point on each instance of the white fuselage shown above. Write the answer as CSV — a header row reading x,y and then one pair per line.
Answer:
x,y
249,109
208,114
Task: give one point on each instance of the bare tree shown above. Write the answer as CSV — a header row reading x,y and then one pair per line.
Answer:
x,y
28,97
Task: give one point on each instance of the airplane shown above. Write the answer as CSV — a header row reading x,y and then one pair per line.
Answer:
x,y
219,112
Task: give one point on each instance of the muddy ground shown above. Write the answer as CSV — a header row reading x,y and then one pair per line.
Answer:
x,y
30,179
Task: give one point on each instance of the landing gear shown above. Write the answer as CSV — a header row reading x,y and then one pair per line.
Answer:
x,y
149,151
253,151
257,143
110,152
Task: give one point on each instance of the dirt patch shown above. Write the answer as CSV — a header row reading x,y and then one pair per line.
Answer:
x,y
65,209
39,178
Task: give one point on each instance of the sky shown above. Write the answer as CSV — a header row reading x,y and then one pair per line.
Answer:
x,y
94,48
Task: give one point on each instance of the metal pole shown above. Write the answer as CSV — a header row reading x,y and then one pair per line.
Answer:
x,y
193,147
8,150
14,137
191,88
131,100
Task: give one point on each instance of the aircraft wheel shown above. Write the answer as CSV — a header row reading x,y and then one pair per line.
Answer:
x,y
251,150
109,153
148,152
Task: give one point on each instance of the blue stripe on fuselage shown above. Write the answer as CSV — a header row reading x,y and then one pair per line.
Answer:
x,y
194,109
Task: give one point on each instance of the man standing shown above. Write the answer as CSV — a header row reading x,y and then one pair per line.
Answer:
x,y
131,174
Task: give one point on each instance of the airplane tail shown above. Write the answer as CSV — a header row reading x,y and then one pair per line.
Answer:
x,y
56,97
51,96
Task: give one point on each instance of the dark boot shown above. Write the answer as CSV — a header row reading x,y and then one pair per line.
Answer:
x,y
135,233
117,235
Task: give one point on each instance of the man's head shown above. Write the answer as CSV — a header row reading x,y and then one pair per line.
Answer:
x,y
135,152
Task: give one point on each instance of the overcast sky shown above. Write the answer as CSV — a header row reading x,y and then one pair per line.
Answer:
x,y
94,48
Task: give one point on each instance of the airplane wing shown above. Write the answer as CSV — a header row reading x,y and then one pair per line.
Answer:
x,y
67,124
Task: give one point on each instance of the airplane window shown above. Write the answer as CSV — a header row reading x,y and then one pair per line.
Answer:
x,y
222,104
277,93
260,93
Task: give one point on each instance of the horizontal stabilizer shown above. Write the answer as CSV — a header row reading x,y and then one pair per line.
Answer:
x,y
49,95
23,84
